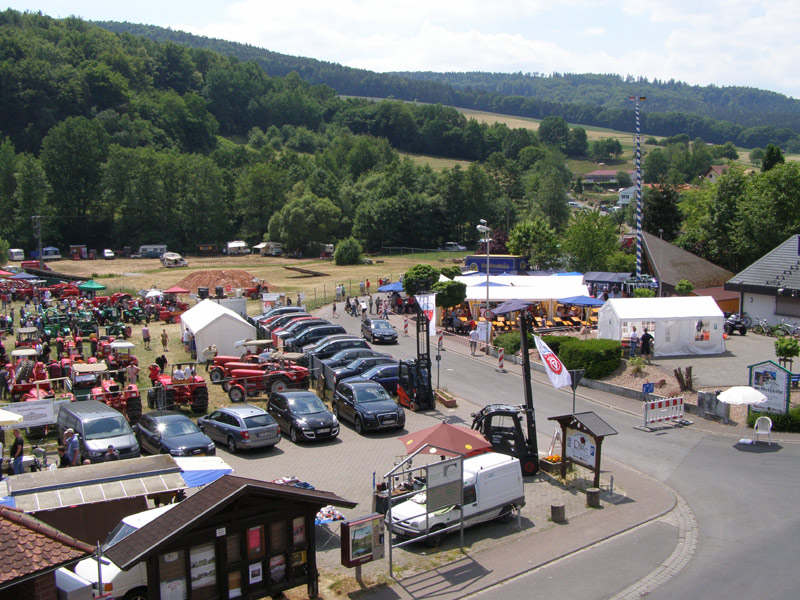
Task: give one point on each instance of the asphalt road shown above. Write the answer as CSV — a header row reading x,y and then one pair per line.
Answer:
x,y
744,500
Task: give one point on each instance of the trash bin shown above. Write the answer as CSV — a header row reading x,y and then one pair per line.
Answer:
x,y
202,293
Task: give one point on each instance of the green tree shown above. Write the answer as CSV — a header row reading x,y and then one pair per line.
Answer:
x,y
590,241
684,287
8,166
578,187
449,293
554,131
660,211
304,219
348,252
551,199
577,143
772,157
623,179
756,156
420,278
536,240
656,166
260,192
4,248
30,198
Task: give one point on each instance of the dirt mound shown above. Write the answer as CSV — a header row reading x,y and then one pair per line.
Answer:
x,y
236,278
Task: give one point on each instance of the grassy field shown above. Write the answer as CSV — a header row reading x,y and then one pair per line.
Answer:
x,y
437,163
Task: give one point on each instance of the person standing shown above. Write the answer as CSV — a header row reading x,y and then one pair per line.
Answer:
x,y
16,452
155,371
187,338
73,448
146,336
634,341
208,354
473,340
334,310
647,346
161,361
133,373
371,302
164,340
3,382
111,454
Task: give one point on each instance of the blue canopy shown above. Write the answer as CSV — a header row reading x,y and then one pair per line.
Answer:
x,y
511,306
395,286
491,284
581,301
23,275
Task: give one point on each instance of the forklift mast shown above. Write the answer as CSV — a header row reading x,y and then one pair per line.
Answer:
x,y
530,416
415,388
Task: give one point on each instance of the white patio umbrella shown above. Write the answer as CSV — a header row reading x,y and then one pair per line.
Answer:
x,y
742,395
9,418
153,294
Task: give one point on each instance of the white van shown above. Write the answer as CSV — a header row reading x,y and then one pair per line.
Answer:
x,y
173,259
454,247
492,490
237,247
116,582
16,254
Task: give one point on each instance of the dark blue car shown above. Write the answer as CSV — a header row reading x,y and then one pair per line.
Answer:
x,y
386,375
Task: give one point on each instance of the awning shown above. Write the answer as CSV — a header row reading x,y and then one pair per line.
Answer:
x,y
395,286
581,301
23,275
511,306
91,286
176,290
201,470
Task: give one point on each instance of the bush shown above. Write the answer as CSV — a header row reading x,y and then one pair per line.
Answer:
x,y
789,422
643,293
348,252
510,342
598,358
787,347
555,342
451,272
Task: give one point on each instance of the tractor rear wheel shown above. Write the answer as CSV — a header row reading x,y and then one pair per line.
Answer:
x,y
236,394
200,400
133,409
280,384
127,332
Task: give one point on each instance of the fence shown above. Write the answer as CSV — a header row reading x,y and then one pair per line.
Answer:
x,y
663,411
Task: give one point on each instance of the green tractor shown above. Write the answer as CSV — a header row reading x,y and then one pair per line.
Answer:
x,y
133,314
54,325
86,323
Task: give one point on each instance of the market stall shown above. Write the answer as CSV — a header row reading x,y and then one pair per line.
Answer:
x,y
680,326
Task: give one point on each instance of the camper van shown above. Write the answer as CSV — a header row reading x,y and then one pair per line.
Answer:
x,y
492,490
152,250
16,254
173,259
237,248
51,253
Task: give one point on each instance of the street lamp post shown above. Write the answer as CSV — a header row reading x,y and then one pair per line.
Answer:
x,y
660,251
483,228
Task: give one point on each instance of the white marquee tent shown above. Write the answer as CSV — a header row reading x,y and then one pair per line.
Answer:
x,y
680,325
211,323
531,288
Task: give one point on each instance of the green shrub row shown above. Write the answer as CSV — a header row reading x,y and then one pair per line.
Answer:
x,y
790,422
598,358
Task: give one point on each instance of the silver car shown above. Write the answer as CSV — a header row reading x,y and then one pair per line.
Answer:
x,y
241,427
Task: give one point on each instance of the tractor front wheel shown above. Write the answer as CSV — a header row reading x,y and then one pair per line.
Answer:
x,y
200,400
279,385
133,409
236,394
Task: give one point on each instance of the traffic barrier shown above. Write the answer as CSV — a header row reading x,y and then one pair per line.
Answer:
x,y
441,340
662,411
405,326
500,357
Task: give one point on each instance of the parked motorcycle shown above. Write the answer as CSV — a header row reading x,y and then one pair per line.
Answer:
x,y
734,322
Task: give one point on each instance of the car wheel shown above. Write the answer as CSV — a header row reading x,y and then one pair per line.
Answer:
x,y
137,594
435,539
293,435
231,445
506,514
359,426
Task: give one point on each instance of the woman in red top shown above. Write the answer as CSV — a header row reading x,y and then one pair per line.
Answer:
x,y
155,371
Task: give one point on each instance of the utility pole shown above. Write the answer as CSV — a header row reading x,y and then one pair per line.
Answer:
x,y
37,228
639,244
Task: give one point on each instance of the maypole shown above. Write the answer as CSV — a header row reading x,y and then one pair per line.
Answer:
x,y
639,240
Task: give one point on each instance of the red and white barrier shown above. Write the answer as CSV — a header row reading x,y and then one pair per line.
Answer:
x,y
663,411
441,340
500,359
405,326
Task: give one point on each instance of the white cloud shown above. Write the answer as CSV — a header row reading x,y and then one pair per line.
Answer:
x,y
594,31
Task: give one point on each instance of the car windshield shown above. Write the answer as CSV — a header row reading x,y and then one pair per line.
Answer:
x,y
174,428
371,394
258,421
379,370
105,428
306,405
381,325
119,533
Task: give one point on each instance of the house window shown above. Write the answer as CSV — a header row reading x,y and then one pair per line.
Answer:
x,y
786,305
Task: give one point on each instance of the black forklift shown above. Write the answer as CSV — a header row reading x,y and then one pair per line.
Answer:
x,y
502,424
414,386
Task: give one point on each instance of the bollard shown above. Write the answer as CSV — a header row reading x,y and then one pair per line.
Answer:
x,y
441,340
558,513
500,357
593,497
405,326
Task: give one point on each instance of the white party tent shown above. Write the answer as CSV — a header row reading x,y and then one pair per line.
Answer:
x,y
680,325
211,323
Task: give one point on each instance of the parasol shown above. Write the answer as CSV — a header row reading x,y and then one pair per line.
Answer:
x,y
9,418
446,440
742,395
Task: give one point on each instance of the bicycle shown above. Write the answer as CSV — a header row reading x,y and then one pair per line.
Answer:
x,y
762,327
784,329
746,320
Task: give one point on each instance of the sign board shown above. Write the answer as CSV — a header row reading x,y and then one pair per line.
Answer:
x,y
270,297
774,382
481,328
581,448
36,413
445,483
227,288
648,388
363,540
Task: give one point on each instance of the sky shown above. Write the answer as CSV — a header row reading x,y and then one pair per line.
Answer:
x,y
736,42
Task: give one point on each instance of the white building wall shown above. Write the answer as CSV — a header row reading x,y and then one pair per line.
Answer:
x,y
759,305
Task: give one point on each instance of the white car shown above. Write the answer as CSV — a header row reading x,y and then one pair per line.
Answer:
x,y
454,247
108,254
131,584
574,204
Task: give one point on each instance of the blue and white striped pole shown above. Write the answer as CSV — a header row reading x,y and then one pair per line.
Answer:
x,y
639,240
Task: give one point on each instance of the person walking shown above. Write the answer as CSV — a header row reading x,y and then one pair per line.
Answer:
x,y
473,340
164,340
16,452
647,346
334,310
73,448
146,336
634,341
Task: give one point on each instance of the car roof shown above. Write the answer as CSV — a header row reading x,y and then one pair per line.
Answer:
x,y
167,415
244,410
297,394
366,383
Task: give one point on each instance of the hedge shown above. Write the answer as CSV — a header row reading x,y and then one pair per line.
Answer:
x,y
790,422
598,358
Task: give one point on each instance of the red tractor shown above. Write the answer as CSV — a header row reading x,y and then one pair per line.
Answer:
x,y
116,353
171,391
27,337
124,398
245,380
26,374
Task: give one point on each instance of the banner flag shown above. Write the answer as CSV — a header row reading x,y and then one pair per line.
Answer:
x,y
558,374
427,304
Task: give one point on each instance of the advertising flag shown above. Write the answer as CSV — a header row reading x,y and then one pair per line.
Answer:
x,y
556,371
427,304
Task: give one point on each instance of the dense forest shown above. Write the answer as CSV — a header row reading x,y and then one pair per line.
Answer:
x,y
115,139
745,116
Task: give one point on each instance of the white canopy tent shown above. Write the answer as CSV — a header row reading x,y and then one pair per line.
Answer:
x,y
211,323
680,326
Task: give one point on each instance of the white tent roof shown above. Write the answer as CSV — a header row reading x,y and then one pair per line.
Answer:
x,y
649,309
532,288
205,312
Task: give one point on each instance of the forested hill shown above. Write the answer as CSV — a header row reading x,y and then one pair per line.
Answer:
x,y
748,117
743,105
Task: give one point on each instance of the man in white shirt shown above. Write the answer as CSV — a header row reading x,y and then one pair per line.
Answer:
x,y
473,341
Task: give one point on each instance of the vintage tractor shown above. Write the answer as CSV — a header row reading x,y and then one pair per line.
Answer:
x,y
172,314
117,354
54,324
84,378
27,337
172,392
220,371
26,373
108,315
124,398
266,379
118,329
133,314
86,323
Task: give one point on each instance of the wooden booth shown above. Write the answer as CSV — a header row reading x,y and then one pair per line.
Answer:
x,y
575,447
235,538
